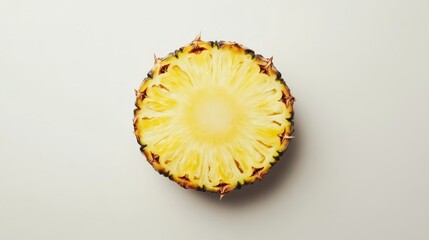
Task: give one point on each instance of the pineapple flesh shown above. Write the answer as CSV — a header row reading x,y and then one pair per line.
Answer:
x,y
213,116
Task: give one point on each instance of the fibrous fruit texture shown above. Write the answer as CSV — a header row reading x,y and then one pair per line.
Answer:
x,y
213,116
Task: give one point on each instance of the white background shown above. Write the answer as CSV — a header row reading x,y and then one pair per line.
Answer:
x,y
70,167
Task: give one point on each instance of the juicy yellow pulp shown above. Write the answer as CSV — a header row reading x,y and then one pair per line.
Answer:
x,y
212,117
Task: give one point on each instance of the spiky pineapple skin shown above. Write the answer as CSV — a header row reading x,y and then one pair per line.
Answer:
x,y
196,47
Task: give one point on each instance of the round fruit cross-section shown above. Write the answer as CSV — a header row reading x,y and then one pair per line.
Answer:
x,y
213,116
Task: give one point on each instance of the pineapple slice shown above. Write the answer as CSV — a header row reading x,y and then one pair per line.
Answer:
x,y
213,116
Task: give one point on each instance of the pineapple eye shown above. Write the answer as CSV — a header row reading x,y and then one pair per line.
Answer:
x,y
213,116
163,69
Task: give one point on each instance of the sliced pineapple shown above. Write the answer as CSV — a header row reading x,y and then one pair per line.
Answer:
x,y
213,116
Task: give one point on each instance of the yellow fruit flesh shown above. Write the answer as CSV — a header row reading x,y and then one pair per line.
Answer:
x,y
213,118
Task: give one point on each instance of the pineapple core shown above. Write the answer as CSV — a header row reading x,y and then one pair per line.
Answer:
x,y
214,117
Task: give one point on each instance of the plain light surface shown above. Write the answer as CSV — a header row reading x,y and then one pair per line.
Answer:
x,y
70,167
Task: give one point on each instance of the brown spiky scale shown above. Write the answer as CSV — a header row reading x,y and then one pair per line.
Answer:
x,y
156,60
161,70
197,38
